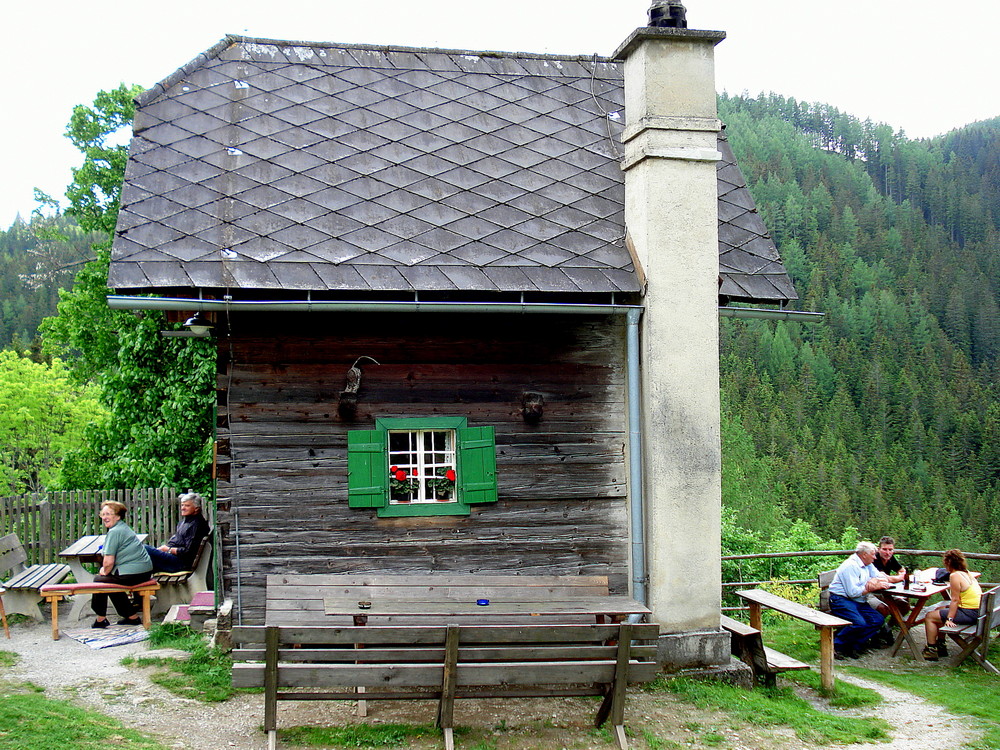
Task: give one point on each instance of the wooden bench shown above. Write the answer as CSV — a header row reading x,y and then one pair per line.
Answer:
x,y
823,622
57,592
748,647
445,662
974,640
180,587
298,599
22,591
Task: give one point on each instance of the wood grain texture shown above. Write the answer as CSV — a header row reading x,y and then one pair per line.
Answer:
x,y
282,445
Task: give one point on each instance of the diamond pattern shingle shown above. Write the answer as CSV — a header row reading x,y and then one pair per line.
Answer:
x,y
278,165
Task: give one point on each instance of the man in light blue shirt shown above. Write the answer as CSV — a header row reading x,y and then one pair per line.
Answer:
x,y
854,580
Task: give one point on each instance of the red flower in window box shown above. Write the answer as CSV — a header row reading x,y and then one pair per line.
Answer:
x,y
450,475
413,471
393,469
400,475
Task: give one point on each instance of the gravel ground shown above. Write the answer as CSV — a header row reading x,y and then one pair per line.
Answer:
x,y
96,679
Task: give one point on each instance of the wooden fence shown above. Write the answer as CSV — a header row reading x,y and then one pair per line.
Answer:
x,y
48,522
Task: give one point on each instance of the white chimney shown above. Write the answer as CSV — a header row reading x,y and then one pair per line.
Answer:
x,y
671,215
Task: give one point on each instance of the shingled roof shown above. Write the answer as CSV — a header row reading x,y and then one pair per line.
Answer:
x,y
266,165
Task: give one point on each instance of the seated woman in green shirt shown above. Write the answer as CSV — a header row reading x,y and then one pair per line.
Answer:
x,y
125,562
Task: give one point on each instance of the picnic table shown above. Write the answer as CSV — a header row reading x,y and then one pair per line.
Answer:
x,y
86,549
823,622
920,592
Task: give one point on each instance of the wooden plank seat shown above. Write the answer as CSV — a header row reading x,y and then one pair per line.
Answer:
x,y
180,587
748,646
22,590
823,622
57,592
445,662
299,599
974,640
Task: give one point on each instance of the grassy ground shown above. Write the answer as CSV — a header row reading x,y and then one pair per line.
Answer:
x,y
967,690
30,721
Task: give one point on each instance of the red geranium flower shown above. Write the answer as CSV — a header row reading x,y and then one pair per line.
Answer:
x,y
400,475
393,469
414,472
450,475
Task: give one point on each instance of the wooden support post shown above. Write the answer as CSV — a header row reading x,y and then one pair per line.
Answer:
x,y
826,658
147,619
449,679
3,615
53,599
613,706
271,683
755,621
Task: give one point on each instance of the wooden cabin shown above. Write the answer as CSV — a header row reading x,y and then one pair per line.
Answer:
x,y
428,306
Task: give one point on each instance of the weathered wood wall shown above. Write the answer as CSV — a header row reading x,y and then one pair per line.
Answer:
x,y
283,463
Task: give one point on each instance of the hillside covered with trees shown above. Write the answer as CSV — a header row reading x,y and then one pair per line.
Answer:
x,y
886,416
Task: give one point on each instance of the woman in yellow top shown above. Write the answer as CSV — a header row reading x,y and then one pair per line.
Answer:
x,y
962,609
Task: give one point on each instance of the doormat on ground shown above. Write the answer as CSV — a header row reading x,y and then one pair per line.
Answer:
x,y
113,636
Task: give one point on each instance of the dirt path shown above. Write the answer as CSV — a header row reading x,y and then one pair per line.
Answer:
x,y
96,679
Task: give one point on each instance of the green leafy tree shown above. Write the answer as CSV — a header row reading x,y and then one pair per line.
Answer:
x,y
158,391
43,416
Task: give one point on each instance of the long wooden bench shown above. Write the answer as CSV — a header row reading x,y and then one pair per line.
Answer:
x,y
22,590
446,662
974,640
180,587
57,592
748,646
298,599
823,622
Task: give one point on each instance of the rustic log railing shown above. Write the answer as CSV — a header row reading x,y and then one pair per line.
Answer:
x,y
47,522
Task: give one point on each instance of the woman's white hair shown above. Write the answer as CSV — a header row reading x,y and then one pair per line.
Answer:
x,y
865,547
191,497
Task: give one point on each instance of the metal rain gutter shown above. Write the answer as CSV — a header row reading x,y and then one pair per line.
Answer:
x,y
762,313
123,302
637,509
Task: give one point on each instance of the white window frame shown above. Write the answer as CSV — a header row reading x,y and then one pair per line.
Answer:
x,y
426,462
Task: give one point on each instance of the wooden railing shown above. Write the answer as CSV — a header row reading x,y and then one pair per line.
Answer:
x,y
47,522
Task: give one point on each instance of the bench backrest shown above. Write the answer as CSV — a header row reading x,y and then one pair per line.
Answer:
x,y
299,598
413,655
824,580
12,556
989,611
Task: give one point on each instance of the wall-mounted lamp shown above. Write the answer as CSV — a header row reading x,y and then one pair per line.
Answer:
x,y
198,324
532,407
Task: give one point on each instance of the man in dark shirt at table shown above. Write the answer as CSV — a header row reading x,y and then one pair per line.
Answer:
x,y
179,551
886,562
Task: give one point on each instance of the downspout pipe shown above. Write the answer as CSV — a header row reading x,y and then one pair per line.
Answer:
x,y
637,510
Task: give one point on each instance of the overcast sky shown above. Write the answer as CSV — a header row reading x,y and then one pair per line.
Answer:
x,y
921,65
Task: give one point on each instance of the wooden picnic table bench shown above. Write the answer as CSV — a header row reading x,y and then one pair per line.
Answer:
x,y
22,590
974,640
445,662
823,622
57,592
748,646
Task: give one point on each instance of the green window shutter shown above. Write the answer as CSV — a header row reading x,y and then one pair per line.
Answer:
x,y
367,473
477,465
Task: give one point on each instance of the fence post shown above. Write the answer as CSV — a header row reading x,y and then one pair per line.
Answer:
x,y
45,531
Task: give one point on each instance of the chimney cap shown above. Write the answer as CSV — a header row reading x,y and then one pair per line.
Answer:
x,y
643,33
668,14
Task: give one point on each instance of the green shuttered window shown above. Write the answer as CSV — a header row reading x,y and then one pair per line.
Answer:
x,y
421,466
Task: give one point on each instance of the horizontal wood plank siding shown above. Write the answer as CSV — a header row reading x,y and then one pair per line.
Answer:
x,y
283,462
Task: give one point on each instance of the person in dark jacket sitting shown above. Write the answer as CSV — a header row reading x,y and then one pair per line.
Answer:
x,y
179,551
